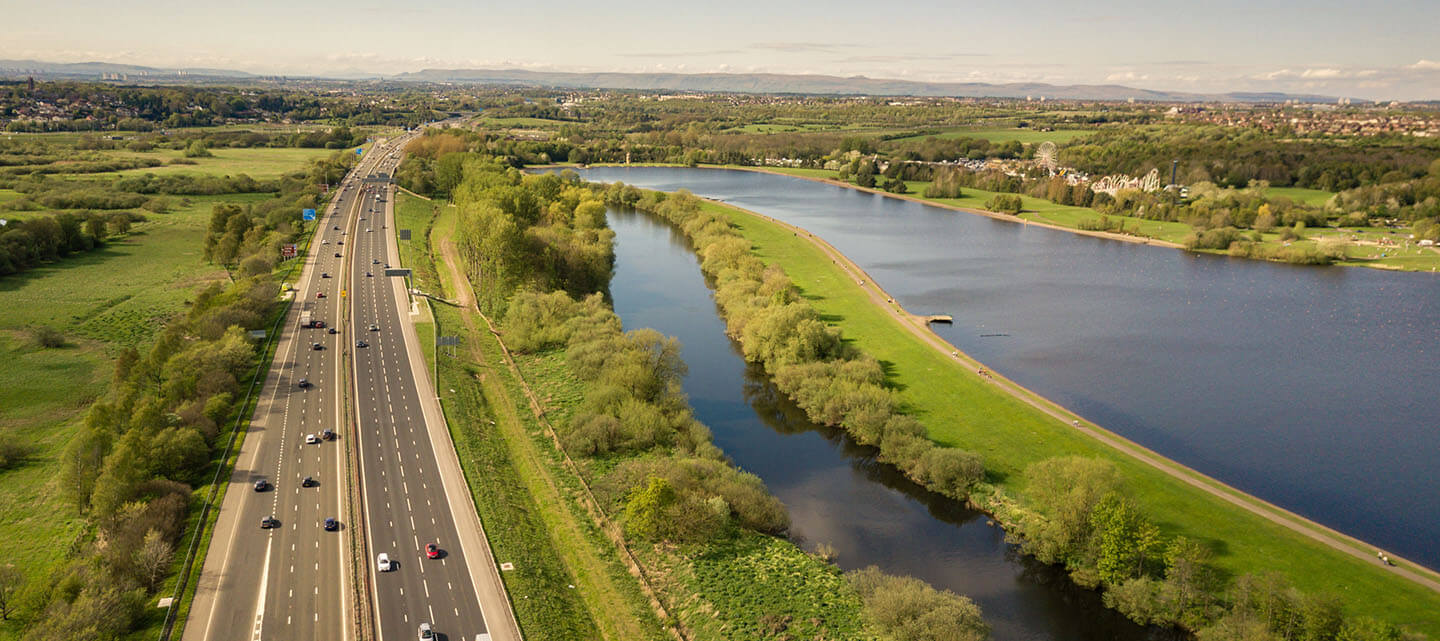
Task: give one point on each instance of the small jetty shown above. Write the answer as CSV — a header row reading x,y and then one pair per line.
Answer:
x,y
939,318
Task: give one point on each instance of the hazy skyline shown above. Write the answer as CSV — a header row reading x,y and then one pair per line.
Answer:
x,y
1383,50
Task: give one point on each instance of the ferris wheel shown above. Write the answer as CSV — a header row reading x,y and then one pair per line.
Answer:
x,y
1045,156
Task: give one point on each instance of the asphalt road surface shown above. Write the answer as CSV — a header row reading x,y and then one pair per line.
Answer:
x,y
292,581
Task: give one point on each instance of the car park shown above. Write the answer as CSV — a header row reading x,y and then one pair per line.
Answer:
x,y
383,563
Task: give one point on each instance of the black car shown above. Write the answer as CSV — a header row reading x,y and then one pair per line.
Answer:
x,y
269,522
316,346
331,524
337,227
304,383
262,485
332,330
307,482
324,275
361,344
327,434
337,254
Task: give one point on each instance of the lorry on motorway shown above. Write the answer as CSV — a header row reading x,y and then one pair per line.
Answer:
x,y
306,320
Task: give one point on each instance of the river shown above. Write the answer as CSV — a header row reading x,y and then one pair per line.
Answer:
x,y
1311,387
835,491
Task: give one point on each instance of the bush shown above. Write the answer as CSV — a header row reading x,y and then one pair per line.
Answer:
x,y
12,451
47,337
1005,203
907,608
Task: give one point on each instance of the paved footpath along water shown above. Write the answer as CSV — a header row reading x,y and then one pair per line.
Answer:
x,y
1311,387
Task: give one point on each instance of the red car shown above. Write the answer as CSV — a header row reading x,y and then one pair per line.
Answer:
x,y
432,551
319,294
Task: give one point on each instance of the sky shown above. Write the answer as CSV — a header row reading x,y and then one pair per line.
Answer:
x,y
1379,50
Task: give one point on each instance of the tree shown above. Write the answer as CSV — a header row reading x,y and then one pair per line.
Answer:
x,y
1123,537
646,509
1067,489
197,149
153,558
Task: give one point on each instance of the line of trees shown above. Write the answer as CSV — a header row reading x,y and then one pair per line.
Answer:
x,y
26,244
833,382
131,468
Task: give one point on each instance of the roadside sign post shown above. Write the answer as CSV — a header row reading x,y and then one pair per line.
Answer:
x,y
307,214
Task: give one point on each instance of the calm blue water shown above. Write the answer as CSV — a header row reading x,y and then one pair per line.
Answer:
x,y
1315,388
835,491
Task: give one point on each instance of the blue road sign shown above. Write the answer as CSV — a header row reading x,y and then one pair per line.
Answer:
x,y
308,214
359,150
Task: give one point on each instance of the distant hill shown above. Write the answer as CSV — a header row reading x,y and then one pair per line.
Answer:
x,y
98,70
766,83
817,84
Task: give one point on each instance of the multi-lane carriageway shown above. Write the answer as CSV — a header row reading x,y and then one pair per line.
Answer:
x,y
293,581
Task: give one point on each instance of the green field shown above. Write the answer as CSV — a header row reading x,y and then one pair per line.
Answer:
x,y
256,162
519,122
962,410
1027,136
123,292
43,392
1315,197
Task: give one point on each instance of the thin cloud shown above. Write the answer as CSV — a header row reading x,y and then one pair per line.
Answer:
x,y
797,47
680,54
1425,65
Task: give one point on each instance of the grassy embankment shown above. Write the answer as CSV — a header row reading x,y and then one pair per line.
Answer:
x,y
524,488
1360,244
114,297
963,410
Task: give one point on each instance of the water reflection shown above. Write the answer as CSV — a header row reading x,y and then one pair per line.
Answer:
x,y
835,490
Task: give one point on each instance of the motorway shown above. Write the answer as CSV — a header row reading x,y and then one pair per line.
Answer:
x,y
293,581
405,491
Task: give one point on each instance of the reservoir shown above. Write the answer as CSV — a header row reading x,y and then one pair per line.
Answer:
x,y
836,493
1314,388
